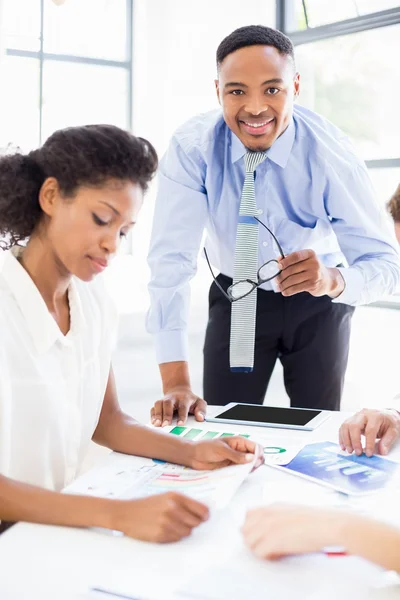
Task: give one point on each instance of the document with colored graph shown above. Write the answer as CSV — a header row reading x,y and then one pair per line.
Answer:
x,y
128,477
326,463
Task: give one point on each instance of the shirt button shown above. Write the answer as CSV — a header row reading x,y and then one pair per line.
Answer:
x,y
265,244
259,211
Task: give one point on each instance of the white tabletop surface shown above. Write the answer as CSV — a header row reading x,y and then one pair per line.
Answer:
x,y
56,563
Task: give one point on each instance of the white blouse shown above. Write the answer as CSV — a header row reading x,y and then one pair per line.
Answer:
x,y
51,386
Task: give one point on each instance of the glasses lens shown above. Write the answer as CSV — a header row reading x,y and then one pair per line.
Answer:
x,y
241,288
269,270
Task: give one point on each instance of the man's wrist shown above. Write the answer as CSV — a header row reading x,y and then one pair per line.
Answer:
x,y
337,283
174,388
175,375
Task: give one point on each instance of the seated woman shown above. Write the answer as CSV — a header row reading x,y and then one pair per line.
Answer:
x,y
73,200
277,531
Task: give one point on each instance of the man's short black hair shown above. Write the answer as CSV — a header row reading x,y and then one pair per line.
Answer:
x,y
254,35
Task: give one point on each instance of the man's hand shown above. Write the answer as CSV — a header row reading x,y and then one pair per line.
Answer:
x,y
180,401
303,272
214,454
382,425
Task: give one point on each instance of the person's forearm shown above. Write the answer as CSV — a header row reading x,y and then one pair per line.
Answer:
x,y
374,541
174,375
361,536
22,502
123,434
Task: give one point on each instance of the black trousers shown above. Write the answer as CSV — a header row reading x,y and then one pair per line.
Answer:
x,y
310,336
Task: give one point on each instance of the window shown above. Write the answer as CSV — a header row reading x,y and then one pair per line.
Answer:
x,y
346,54
307,14
65,63
354,81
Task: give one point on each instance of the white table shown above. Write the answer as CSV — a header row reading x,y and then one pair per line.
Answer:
x,y
55,563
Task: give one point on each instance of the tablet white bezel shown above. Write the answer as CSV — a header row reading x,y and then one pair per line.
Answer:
x,y
310,426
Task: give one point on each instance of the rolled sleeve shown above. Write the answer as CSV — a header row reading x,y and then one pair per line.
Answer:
x,y
171,346
353,286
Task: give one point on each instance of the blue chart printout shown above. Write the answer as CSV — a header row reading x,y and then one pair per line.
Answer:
x,y
327,464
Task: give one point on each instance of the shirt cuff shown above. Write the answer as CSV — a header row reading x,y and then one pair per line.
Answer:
x,y
172,346
353,286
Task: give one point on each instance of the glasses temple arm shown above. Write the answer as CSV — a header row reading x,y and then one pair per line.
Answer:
x,y
215,279
276,241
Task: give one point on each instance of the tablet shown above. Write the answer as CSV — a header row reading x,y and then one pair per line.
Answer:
x,y
270,416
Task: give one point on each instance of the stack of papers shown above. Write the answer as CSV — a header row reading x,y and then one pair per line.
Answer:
x,y
129,477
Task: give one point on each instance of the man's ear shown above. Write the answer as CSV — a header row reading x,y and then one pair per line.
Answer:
x,y
216,82
296,84
49,195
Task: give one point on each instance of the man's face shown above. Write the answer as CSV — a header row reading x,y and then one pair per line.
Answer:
x,y
256,88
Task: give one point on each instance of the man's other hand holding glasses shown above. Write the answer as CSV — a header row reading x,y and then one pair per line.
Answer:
x,y
298,272
303,272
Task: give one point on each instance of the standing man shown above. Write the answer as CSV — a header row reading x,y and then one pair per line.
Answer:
x,y
293,227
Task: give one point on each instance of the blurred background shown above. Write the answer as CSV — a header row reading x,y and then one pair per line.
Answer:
x,y
148,65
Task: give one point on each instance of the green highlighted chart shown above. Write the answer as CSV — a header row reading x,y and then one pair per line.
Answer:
x,y
273,450
274,454
200,434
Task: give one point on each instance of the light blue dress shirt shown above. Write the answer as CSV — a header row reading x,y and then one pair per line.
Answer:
x,y
312,191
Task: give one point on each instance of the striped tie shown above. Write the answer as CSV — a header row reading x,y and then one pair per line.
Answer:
x,y
243,321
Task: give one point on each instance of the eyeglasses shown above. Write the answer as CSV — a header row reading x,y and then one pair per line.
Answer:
x,y
244,287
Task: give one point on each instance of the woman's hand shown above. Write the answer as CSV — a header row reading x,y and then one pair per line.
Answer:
x,y
277,530
162,518
223,452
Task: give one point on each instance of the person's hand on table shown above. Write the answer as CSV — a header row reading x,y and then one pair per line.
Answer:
x,y
302,271
161,518
382,425
181,402
279,530
214,454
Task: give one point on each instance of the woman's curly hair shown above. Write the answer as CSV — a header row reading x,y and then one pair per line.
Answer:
x,y
88,155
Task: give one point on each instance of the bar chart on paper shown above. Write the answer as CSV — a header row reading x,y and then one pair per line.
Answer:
x,y
275,453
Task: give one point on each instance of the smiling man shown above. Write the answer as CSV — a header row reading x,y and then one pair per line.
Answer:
x,y
293,228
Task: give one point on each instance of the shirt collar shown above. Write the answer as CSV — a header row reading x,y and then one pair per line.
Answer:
x,y
41,325
279,152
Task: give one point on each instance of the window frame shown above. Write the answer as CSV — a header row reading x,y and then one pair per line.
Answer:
x,y
42,56
371,21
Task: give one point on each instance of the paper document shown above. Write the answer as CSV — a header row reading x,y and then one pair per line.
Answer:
x,y
134,477
275,452
326,463
309,577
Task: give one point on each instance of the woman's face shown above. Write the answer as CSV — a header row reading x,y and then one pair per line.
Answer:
x,y
85,231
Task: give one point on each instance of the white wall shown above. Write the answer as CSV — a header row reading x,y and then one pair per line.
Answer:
x,y
1,54
175,42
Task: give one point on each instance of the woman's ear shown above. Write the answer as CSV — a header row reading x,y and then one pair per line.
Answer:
x,y
49,196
